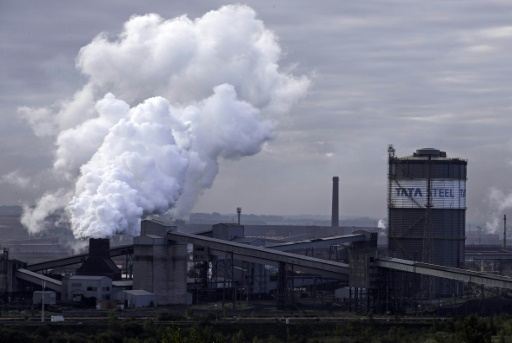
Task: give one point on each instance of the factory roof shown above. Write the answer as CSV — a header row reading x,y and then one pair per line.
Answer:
x,y
429,153
423,158
88,277
39,276
122,283
138,292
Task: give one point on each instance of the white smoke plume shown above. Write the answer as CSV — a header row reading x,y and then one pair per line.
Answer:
x,y
499,202
382,229
164,101
381,224
35,219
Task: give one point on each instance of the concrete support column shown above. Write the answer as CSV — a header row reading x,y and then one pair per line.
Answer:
x,y
160,266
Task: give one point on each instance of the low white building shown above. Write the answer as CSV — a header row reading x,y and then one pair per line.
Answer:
x,y
83,286
137,298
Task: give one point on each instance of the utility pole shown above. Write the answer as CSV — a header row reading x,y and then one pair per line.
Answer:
x,y
42,301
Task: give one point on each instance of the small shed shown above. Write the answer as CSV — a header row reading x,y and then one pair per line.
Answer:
x,y
118,287
138,298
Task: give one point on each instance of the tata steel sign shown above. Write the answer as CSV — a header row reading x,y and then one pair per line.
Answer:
x,y
413,193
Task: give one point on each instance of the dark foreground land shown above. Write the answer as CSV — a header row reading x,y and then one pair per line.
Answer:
x,y
350,330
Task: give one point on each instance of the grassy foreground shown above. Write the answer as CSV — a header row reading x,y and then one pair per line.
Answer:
x,y
469,330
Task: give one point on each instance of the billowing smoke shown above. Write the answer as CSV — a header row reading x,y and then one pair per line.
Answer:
x,y
381,224
382,231
499,202
164,102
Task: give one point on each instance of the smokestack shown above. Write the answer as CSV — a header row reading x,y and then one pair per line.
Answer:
x,y
98,261
335,202
239,213
504,231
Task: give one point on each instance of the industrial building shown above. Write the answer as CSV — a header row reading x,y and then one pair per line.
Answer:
x,y
160,267
80,287
137,298
231,262
162,262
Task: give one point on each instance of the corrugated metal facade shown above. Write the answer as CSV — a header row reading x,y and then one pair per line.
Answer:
x,y
427,228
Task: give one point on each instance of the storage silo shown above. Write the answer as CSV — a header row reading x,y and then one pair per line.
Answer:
x,y
427,216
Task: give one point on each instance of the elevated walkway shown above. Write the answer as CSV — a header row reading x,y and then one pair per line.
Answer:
x,y
257,254
39,279
319,243
451,273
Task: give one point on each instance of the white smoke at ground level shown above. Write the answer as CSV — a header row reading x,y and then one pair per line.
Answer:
x,y
381,224
382,229
499,203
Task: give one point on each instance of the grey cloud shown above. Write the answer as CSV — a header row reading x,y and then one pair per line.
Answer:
x,y
415,74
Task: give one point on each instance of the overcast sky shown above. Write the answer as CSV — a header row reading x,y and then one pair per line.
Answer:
x,y
409,73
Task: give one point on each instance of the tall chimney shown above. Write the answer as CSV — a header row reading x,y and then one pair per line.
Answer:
x,y
335,202
98,261
504,231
